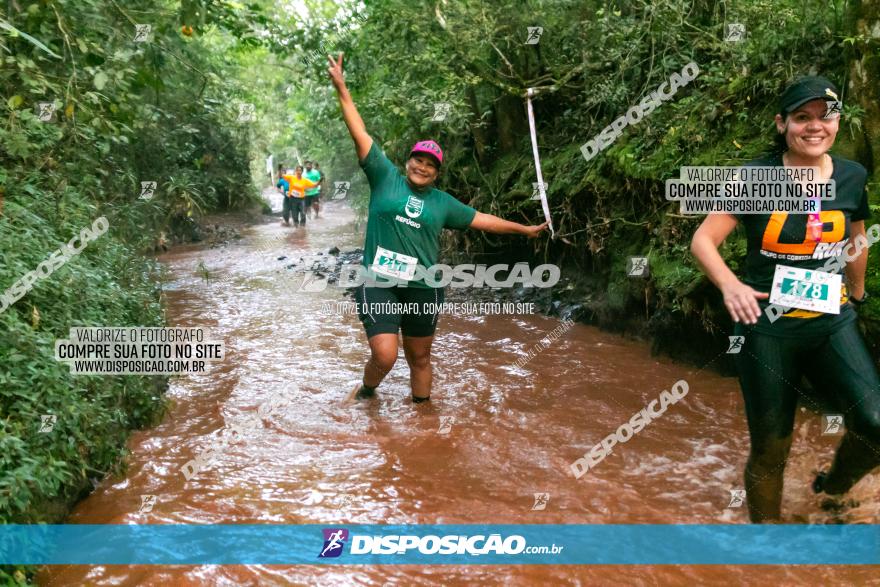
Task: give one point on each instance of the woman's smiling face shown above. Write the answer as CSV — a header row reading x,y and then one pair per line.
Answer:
x,y
808,132
421,170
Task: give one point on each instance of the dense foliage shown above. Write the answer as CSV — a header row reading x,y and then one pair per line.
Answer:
x,y
593,61
162,110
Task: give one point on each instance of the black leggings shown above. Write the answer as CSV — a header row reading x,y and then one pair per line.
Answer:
x,y
299,211
294,207
841,371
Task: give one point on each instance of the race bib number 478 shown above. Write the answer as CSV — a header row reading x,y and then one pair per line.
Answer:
x,y
807,289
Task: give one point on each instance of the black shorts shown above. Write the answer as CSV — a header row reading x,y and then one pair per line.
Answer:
x,y
311,200
411,310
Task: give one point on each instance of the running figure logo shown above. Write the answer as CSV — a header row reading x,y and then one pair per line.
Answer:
x,y
46,111
148,188
832,109
247,112
737,497
142,33
735,32
736,344
340,189
313,282
413,207
334,541
833,424
47,422
541,500
534,35
446,423
147,503
441,111
637,266
536,189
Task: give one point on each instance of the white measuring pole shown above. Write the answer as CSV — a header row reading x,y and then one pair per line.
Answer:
x,y
541,191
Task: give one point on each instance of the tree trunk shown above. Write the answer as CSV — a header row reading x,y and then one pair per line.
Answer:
x,y
511,122
864,71
478,130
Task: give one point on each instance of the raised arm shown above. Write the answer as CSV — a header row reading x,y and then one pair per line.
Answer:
x,y
353,120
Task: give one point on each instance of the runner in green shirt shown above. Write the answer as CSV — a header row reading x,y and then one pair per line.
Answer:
x,y
312,194
406,216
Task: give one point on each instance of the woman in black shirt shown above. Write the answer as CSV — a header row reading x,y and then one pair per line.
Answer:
x,y
793,253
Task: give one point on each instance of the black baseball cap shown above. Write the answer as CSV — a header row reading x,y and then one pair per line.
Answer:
x,y
804,89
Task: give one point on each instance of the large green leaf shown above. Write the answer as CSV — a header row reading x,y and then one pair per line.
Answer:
x,y
15,32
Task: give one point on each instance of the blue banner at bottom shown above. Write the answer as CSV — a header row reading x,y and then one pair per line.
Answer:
x,y
487,544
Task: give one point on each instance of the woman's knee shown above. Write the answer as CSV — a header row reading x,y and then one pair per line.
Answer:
x,y
383,359
418,360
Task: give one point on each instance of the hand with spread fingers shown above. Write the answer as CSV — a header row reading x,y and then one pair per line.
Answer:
x,y
742,302
335,71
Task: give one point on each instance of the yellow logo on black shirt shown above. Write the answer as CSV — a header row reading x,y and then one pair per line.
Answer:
x,y
773,230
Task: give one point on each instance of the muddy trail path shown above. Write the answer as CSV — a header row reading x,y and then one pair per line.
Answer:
x,y
493,436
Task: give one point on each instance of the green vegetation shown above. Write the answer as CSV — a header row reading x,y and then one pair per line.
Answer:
x,y
593,62
124,112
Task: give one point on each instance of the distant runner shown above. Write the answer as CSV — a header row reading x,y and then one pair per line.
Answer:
x,y
317,202
298,185
406,216
287,203
824,346
313,175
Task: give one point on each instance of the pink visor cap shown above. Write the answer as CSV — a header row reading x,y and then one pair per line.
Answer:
x,y
429,148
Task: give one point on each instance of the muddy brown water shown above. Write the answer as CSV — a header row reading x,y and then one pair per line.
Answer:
x,y
514,432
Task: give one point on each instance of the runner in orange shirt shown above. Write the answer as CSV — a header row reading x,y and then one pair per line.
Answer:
x,y
298,186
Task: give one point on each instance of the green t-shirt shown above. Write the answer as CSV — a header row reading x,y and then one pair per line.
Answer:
x,y
782,238
404,224
315,176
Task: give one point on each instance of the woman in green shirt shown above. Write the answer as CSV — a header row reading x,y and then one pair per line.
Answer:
x,y
406,216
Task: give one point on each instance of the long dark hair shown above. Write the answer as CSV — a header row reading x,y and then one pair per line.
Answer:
x,y
780,145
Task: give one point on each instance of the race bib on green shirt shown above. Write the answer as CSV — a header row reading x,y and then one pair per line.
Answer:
x,y
392,264
807,289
